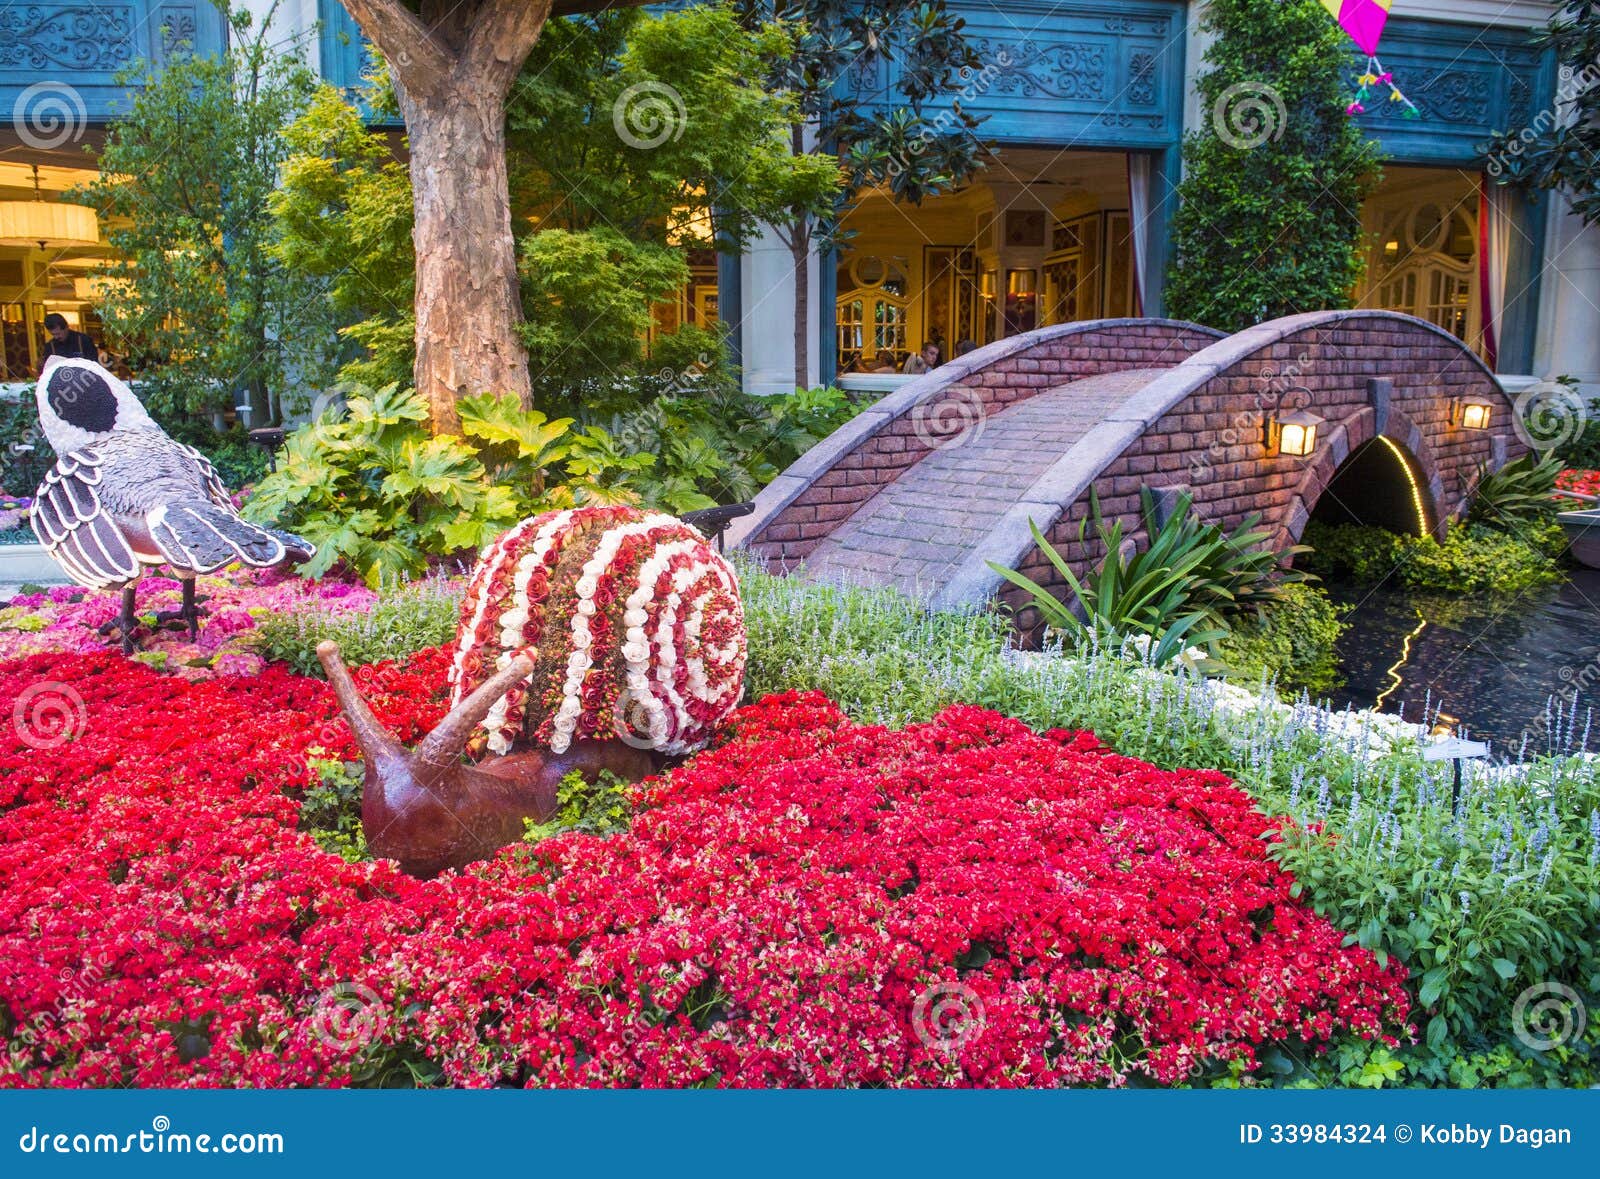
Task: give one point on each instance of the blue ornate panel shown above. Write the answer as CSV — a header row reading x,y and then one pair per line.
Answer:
x,y
344,54
1468,81
1074,72
71,53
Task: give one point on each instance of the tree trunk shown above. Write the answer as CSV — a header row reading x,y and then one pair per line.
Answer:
x,y
800,251
468,299
453,66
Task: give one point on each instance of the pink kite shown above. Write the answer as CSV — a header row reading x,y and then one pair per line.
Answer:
x,y
1364,21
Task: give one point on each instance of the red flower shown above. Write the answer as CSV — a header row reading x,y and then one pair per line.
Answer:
x,y
814,902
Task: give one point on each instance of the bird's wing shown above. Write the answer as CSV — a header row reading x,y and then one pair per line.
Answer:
x,y
216,491
71,523
204,537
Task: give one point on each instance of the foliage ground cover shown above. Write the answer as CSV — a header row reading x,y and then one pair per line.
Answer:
x,y
1473,558
778,913
1483,903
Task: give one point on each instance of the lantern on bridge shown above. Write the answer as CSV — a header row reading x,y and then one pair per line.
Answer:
x,y
1472,413
1292,432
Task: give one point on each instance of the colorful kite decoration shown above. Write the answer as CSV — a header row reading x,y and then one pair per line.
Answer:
x,y
1364,21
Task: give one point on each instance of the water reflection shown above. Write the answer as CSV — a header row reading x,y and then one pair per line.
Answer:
x,y
1491,665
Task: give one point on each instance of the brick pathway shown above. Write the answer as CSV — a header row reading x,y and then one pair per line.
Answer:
x,y
918,530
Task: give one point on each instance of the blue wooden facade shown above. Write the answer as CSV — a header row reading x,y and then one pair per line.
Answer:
x,y
84,46
1059,74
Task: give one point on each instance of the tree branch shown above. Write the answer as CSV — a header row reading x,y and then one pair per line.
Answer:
x,y
502,36
415,57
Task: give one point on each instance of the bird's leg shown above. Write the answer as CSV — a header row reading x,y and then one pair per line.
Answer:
x,y
124,622
189,612
127,621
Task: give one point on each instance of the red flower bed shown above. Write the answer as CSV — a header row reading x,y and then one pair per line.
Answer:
x,y
1585,482
813,903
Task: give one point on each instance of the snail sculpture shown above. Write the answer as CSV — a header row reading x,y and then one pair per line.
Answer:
x,y
592,639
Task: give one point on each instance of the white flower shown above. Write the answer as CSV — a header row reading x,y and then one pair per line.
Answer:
x,y
634,619
586,587
637,654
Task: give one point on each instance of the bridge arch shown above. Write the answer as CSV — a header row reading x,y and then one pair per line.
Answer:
x,y
923,491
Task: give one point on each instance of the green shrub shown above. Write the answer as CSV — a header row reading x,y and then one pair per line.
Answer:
x,y
406,618
1472,559
1291,644
330,810
25,453
374,489
1182,589
1519,495
600,807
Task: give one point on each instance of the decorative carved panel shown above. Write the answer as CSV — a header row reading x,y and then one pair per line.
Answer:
x,y
1093,74
97,37
77,50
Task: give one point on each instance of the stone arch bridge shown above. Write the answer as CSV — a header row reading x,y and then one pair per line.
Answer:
x,y
930,484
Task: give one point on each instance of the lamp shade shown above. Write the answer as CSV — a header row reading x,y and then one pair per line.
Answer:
x,y
47,224
1473,414
1294,433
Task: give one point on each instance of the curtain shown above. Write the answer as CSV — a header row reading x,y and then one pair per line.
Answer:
x,y
1139,169
1494,248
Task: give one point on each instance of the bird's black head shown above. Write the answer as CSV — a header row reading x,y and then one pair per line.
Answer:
x,y
81,398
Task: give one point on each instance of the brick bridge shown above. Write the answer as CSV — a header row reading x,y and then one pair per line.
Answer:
x,y
926,487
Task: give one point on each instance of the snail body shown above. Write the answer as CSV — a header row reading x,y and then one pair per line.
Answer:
x,y
594,639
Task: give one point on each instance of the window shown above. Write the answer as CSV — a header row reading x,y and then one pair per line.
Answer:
x,y
872,314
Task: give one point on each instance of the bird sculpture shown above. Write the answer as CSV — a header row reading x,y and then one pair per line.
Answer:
x,y
123,495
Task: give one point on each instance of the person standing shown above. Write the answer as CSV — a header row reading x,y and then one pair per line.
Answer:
x,y
66,343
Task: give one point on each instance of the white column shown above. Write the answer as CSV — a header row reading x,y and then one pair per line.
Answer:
x,y
768,316
1568,343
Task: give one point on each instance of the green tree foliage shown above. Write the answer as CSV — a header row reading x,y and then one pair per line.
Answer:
x,y
643,124
587,295
1269,219
623,131
199,294
344,217
1561,147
